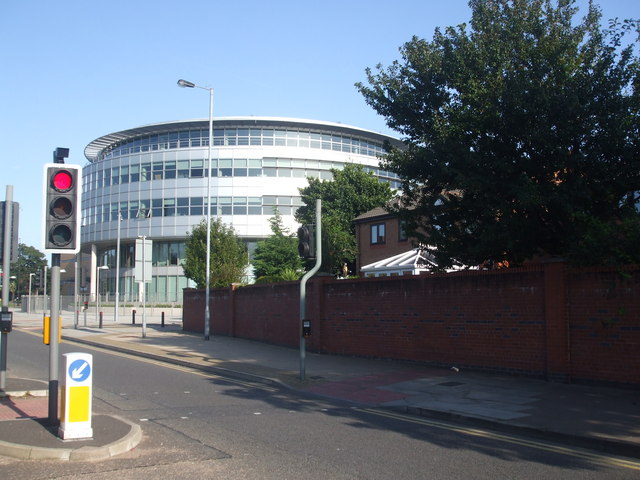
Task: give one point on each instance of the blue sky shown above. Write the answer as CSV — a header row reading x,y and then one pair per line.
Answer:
x,y
76,70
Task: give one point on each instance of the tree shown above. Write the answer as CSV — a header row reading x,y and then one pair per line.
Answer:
x,y
229,257
277,256
521,133
30,260
351,193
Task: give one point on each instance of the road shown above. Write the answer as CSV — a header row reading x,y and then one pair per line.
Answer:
x,y
198,425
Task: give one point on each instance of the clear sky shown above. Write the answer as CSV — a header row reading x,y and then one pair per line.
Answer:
x,y
74,70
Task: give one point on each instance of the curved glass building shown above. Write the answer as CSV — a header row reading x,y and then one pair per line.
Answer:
x,y
152,181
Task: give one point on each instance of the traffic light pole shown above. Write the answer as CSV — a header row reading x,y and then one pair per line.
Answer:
x,y
61,228
53,338
303,289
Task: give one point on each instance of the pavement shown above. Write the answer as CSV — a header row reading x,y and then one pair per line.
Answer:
x,y
596,417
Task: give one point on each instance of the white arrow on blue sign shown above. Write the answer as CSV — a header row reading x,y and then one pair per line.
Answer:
x,y
79,370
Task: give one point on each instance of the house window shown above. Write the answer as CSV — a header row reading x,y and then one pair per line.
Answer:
x,y
377,233
402,231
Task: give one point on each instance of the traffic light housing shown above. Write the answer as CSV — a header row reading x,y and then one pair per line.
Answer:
x,y
38,280
307,241
61,209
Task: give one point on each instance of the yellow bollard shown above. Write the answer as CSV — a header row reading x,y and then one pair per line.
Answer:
x,y
76,402
47,330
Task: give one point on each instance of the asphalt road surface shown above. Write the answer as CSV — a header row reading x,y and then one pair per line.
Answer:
x,y
200,426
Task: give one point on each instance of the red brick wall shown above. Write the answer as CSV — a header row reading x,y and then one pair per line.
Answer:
x,y
546,320
451,320
604,325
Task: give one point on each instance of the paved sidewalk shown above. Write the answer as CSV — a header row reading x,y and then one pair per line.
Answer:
x,y
596,417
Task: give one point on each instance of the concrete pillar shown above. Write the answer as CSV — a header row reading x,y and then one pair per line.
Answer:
x,y
94,266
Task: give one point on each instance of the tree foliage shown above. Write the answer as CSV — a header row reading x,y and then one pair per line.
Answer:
x,y
30,260
522,133
351,193
276,257
229,257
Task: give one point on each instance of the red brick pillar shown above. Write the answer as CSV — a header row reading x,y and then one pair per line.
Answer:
x,y
557,327
232,308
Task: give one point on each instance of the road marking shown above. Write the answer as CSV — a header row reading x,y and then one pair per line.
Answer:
x,y
591,456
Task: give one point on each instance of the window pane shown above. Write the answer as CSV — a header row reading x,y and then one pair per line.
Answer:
x,y
183,206
169,207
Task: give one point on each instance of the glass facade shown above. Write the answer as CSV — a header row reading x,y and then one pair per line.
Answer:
x,y
278,137
155,181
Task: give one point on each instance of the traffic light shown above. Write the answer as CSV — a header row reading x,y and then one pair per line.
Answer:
x,y
307,241
61,210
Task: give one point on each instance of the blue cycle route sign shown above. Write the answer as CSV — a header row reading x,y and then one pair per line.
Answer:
x,y
79,370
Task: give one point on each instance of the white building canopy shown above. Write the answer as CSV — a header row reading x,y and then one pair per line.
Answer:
x,y
409,263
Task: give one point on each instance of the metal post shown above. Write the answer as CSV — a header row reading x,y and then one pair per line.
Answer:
x,y
53,338
207,314
29,303
144,288
44,281
303,289
97,291
76,290
6,265
115,313
3,355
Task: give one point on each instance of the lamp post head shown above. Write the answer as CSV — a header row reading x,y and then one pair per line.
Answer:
x,y
185,84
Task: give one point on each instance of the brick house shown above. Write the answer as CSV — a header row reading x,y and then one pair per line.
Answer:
x,y
379,235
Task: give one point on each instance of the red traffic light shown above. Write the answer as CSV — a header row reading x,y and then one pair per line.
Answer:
x,y
61,220
62,181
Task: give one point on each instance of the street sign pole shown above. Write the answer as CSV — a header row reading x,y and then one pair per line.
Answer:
x,y
143,273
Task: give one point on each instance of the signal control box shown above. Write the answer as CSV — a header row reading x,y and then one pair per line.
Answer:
x,y
6,320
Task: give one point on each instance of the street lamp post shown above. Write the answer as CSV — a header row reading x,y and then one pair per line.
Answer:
x,y
187,84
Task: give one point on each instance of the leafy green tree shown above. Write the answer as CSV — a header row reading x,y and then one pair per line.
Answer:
x,y
30,260
277,254
229,257
351,193
522,133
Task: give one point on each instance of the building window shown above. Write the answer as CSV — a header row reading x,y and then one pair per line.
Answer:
x,y
377,233
402,231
